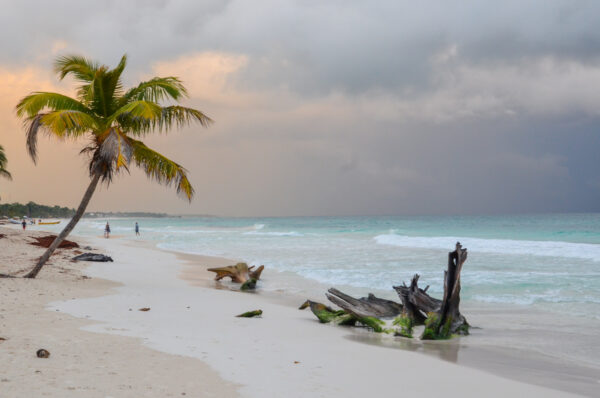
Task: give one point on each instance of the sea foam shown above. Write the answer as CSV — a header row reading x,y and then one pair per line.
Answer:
x,y
586,251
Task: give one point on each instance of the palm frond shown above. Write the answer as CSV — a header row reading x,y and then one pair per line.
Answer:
x,y
80,67
182,116
67,123
156,90
112,82
2,156
61,123
35,102
170,117
142,110
161,169
105,88
32,127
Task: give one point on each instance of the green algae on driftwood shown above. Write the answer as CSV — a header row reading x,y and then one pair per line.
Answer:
x,y
250,284
406,325
250,314
326,314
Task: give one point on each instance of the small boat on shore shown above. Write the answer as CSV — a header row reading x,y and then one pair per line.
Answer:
x,y
48,222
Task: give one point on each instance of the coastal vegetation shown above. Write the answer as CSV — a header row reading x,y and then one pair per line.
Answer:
x,y
110,119
119,214
34,210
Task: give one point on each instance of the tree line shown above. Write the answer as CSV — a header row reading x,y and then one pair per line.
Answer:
x,y
35,210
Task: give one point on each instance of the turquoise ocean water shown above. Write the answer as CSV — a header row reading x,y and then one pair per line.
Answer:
x,y
550,262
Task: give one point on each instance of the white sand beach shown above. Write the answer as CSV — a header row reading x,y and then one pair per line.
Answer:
x,y
190,342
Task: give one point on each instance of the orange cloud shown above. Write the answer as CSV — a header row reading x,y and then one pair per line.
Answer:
x,y
57,159
209,76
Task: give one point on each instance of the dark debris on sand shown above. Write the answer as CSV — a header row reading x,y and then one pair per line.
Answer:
x,y
46,241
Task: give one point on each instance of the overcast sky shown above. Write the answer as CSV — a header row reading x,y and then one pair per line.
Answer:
x,y
330,107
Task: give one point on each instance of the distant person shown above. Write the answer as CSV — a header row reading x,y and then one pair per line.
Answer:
x,y
137,229
107,231
24,224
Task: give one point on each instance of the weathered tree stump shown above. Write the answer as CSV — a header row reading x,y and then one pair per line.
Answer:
x,y
417,303
451,321
442,318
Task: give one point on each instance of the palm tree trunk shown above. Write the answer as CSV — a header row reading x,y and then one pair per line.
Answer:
x,y
65,232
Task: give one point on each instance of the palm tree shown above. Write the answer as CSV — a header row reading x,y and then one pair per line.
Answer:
x,y
112,119
3,161
3,172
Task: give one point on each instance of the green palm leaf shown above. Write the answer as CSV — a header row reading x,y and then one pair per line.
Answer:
x,y
68,123
61,123
104,87
142,110
169,118
35,102
161,169
80,67
156,90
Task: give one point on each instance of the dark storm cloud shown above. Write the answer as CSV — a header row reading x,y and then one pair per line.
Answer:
x,y
312,47
353,107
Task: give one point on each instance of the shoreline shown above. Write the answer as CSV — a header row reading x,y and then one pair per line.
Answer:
x,y
533,367
330,344
321,335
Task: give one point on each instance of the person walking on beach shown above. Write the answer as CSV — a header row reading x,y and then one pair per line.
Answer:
x,y
107,231
24,224
137,229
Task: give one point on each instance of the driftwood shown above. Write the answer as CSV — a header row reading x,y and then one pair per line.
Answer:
x,y
238,273
442,318
370,306
92,257
417,303
450,319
